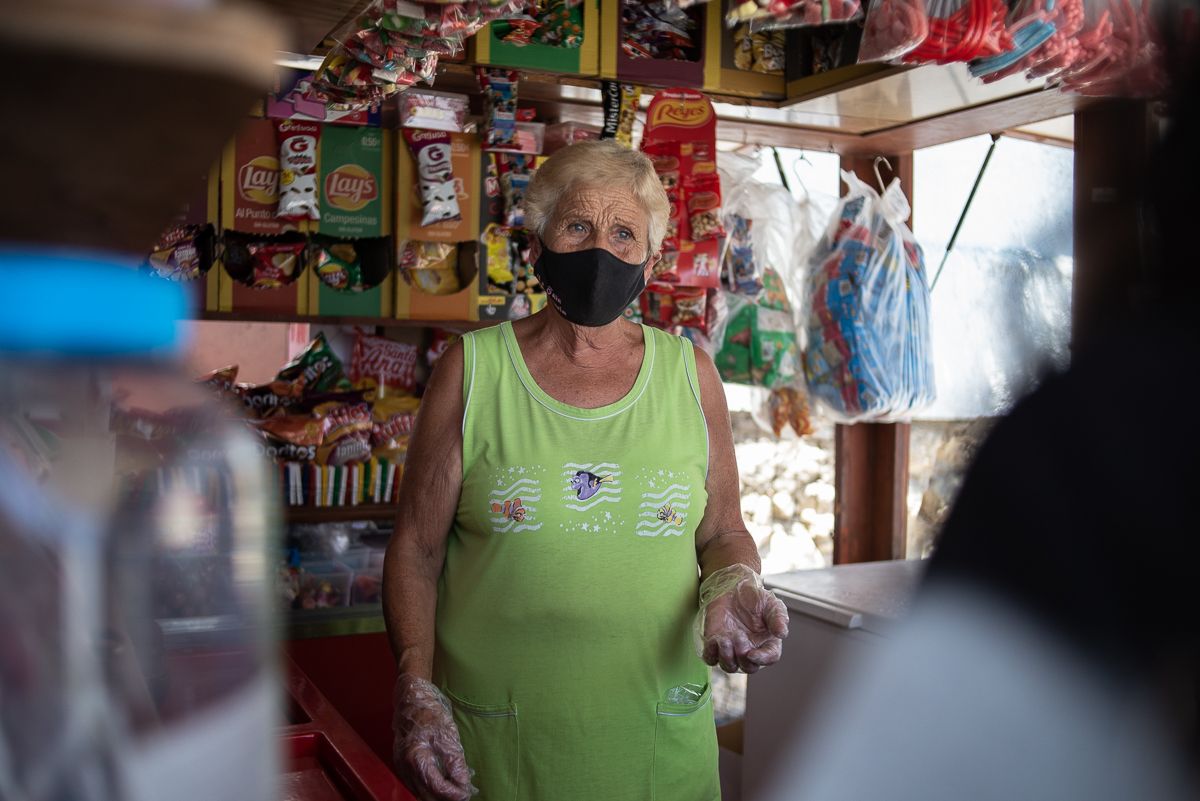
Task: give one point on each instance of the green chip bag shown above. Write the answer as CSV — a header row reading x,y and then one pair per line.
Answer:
x,y
316,369
340,267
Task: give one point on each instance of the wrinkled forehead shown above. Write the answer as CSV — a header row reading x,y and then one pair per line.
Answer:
x,y
601,204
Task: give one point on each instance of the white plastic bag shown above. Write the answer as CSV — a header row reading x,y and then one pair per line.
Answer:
x,y
868,355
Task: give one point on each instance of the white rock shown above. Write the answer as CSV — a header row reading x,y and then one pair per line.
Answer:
x,y
824,494
784,504
793,553
822,524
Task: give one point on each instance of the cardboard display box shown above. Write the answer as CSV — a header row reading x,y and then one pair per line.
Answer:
x,y
614,64
486,48
721,74
356,165
412,303
249,200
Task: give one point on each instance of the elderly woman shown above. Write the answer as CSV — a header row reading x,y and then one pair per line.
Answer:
x,y
570,484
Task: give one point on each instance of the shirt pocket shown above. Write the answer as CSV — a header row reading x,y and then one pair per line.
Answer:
x,y
685,752
491,740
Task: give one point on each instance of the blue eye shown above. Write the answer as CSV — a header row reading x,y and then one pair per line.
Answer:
x,y
625,234
576,227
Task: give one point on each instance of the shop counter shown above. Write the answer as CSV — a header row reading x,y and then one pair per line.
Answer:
x,y
344,654
325,759
833,614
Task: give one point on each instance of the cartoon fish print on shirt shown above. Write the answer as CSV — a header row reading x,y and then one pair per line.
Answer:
x,y
668,515
512,503
587,484
665,504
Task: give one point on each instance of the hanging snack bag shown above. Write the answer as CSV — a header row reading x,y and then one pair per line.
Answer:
x,y
431,267
393,419
298,170
441,342
382,363
184,253
347,437
689,307
789,406
733,357
263,263
292,437
316,369
620,110
338,266
439,195
658,304
704,208
497,258
741,272
500,88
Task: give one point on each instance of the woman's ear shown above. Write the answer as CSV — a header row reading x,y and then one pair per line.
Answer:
x,y
535,247
651,263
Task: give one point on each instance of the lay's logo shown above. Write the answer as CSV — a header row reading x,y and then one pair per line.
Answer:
x,y
258,180
684,113
350,187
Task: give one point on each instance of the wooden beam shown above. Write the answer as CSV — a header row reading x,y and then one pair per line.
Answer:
x,y
871,459
964,123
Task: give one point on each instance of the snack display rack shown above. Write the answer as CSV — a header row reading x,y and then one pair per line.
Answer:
x,y
193,78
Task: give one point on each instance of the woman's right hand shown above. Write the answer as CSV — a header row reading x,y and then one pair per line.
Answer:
x,y
426,752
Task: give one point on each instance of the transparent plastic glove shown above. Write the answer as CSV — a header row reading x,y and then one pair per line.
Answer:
x,y
741,625
426,752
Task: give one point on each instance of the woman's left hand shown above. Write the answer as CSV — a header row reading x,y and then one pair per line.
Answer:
x,y
741,625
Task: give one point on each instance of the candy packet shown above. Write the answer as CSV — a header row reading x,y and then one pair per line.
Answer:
x,y
620,110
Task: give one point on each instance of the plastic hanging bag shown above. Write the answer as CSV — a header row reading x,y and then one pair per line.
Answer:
x,y
1117,52
962,30
1036,30
766,15
892,29
867,323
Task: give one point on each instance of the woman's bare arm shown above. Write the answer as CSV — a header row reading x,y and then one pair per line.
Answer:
x,y
428,499
722,538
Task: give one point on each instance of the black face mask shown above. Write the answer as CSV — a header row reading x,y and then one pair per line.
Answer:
x,y
589,287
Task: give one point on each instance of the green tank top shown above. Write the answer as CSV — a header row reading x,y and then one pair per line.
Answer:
x,y
570,584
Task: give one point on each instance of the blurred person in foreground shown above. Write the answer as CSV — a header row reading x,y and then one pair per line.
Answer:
x,y
1054,650
570,505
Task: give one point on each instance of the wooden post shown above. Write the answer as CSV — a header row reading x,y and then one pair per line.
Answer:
x,y
871,459
1113,141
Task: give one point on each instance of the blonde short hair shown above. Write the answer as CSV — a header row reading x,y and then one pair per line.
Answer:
x,y
602,162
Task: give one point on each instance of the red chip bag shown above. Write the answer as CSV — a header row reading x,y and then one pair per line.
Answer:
x,y
690,307
385,364
704,208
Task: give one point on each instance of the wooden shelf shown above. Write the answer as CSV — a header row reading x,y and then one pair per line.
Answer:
x,y
339,514
386,322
